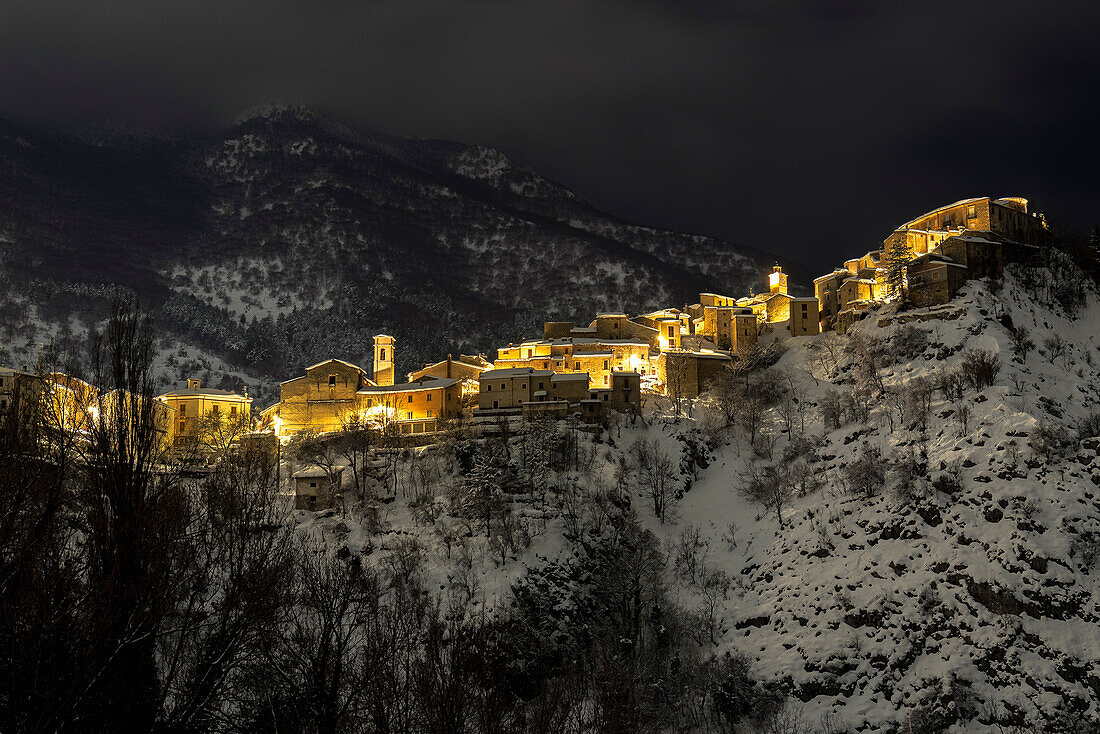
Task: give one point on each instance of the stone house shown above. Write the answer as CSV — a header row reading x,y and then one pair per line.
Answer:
x,y
317,489
596,357
687,374
1007,216
804,317
729,327
194,402
624,396
414,407
467,368
511,387
934,279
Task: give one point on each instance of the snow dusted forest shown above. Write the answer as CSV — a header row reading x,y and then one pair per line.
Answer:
x,y
893,530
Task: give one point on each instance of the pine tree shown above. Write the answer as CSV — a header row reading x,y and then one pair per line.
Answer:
x,y
483,484
898,255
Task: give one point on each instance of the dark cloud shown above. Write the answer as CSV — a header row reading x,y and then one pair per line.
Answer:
x,y
807,127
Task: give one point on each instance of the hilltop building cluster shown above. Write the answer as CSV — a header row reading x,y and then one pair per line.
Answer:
x,y
934,255
606,365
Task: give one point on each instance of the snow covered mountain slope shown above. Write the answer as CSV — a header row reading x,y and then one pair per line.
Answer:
x,y
967,599
290,238
938,555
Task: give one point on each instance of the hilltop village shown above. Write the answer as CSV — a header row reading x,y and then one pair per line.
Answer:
x,y
584,371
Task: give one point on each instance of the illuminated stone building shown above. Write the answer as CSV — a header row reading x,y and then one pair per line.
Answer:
x,y
467,368
545,391
977,236
598,357
193,403
322,399
334,393
414,407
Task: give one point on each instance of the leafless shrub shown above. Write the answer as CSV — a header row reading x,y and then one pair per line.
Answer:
x,y
867,474
1052,441
980,368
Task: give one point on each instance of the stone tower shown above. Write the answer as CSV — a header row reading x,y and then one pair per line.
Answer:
x,y
777,280
383,360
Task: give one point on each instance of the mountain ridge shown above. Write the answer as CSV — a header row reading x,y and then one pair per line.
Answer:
x,y
450,247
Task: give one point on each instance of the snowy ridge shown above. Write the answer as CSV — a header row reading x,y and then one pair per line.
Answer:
x,y
977,605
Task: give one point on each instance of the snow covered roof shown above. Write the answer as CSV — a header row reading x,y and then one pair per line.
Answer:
x,y
316,472
835,273
514,372
709,355
586,340
206,392
1005,200
432,384
937,210
462,362
664,312
333,359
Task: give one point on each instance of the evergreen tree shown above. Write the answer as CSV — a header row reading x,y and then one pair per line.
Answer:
x,y
483,484
898,254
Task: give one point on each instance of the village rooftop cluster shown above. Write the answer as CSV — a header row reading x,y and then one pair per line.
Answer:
x,y
584,371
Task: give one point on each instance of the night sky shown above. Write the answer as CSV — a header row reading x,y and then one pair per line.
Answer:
x,y
809,129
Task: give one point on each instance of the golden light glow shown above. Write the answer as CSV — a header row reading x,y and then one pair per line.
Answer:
x,y
773,279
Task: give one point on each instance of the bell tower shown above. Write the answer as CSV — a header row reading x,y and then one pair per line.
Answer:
x,y
777,280
383,360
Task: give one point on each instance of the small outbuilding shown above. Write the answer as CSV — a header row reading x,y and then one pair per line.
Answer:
x,y
316,488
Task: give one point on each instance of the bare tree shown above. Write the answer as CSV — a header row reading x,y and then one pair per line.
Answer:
x,y
356,444
770,486
655,471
